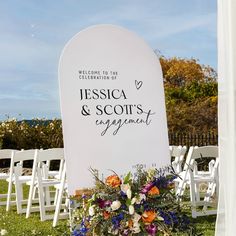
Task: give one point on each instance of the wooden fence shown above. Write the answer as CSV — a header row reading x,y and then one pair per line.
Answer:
x,y
193,139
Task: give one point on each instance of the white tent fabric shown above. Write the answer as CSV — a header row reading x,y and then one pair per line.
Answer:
x,y
225,225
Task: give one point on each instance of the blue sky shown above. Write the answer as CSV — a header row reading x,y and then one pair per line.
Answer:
x,y
34,32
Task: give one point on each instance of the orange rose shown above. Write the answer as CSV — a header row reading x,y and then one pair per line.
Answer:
x,y
154,191
148,216
106,215
113,181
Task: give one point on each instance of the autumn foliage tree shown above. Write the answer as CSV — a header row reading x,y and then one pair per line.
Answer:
x,y
191,95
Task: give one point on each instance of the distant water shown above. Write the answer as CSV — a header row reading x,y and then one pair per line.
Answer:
x,y
36,122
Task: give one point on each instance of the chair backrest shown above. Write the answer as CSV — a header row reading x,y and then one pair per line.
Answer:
x,y
50,154
19,157
178,151
24,155
171,150
6,153
195,153
42,162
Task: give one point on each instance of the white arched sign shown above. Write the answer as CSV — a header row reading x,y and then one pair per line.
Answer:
x,y
112,104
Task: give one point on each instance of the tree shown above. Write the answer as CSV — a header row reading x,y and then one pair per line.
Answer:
x,y
191,95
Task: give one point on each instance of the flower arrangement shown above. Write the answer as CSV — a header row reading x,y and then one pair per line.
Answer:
x,y
138,204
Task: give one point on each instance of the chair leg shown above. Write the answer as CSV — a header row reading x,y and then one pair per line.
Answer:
x,y
56,196
19,198
197,192
34,193
193,199
9,195
59,199
47,196
30,198
180,189
58,208
41,203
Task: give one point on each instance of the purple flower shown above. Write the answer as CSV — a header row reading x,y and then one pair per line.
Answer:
x,y
151,229
147,187
103,203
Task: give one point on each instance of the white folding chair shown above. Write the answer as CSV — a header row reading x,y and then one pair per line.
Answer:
x,y
5,154
42,182
17,178
200,206
194,153
178,152
192,177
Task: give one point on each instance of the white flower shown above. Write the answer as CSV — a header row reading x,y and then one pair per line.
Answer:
x,y
129,194
91,211
3,232
115,205
131,209
112,231
136,228
141,197
136,217
124,187
160,218
134,200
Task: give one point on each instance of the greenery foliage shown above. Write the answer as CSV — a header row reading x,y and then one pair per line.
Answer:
x,y
37,133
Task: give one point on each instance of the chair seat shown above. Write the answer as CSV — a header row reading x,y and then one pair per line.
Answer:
x,y
58,186
4,175
200,178
53,173
46,182
50,182
22,179
200,174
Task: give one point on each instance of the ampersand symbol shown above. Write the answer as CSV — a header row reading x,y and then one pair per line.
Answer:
x,y
85,111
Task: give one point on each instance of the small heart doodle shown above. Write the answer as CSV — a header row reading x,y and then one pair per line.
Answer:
x,y
138,84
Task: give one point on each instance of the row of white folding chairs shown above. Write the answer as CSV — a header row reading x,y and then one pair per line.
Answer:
x,y
40,180
194,178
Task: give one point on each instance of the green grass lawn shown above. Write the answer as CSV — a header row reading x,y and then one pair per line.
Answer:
x,y
18,225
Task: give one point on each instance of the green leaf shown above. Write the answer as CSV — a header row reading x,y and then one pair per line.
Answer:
x,y
127,178
128,202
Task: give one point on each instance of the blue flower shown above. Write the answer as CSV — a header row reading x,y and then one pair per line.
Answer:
x,y
123,194
166,217
81,230
78,233
117,219
184,222
174,217
162,182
